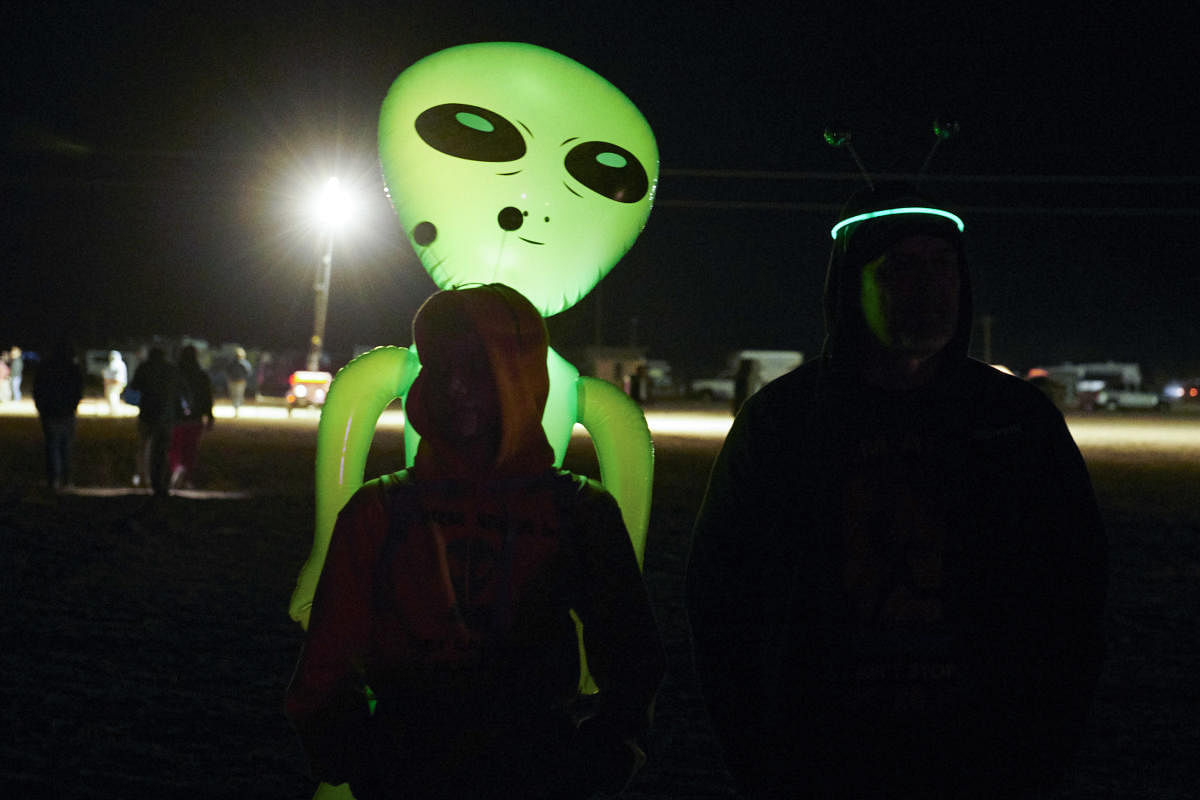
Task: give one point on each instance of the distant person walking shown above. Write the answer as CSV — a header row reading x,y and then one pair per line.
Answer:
x,y
746,382
639,384
115,375
57,390
156,385
236,375
262,372
195,416
16,368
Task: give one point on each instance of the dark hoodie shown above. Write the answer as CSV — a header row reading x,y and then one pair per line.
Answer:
x,y
448,587
897,593
861,242
514,343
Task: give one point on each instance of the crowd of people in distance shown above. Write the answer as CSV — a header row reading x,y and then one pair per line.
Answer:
x,y
173,401
12,372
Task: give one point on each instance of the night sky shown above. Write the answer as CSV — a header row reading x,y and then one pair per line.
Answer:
x,y
152,156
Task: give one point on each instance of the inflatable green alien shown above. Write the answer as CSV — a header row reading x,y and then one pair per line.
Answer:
x,y
508,163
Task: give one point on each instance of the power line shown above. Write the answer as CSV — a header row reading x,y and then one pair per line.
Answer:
x,y
1015,210
855,177
687,184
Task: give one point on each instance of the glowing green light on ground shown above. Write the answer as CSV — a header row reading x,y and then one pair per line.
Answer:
x,y
888,212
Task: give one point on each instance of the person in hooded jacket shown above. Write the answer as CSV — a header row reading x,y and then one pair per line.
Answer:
x,y
158,388
898,571
195,417
448,591
57,390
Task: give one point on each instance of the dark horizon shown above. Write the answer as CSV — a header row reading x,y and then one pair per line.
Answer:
x,y
150,158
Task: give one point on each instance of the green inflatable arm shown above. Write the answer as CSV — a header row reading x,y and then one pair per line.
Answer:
x,y
624,451
357,398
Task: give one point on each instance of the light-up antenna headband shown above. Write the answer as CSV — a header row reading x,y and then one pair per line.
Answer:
x,y
839,137
888,212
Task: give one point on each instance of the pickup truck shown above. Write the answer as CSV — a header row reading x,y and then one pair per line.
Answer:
x,y
1114,399
1095,393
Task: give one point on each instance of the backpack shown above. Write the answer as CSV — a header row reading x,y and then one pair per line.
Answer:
x,y
566,489
365,742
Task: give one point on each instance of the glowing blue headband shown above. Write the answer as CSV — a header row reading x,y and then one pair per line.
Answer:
x,y
887,212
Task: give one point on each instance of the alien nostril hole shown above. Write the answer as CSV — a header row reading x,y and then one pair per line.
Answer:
x,y
424,233
547,219
510,218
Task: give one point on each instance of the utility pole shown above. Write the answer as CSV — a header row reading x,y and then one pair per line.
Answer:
x,y
321,304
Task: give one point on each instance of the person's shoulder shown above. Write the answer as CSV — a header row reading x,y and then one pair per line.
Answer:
x,y
784,393
981,378
387,485
579,492
1002,397
374,495
572,486
803,375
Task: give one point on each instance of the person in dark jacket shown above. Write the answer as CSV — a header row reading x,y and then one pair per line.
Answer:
x,y
158,388
195,417
449,588
898,572
57,390
237,375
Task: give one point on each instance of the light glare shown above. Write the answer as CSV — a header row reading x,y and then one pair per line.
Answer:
x,y
333,206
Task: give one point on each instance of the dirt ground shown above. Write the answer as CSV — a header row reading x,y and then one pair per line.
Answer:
x,y
145,653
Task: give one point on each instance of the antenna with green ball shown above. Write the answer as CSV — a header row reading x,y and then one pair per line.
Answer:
x,y
840,137
941,132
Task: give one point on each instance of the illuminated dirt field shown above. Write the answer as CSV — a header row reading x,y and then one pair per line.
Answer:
x,y
146,653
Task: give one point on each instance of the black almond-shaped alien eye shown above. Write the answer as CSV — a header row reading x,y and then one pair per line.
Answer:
x,y
466,131
609,170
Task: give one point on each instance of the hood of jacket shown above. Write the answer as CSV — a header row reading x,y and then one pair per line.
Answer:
x,y
500,324
858,243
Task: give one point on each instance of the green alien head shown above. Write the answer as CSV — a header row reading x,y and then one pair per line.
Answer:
x,y
511,163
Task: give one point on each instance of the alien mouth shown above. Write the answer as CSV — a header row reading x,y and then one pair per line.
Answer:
x,y
531,241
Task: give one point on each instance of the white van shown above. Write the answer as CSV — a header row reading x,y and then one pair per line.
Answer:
x,y
770,365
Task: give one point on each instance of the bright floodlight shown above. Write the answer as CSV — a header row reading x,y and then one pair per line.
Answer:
x,y
333,205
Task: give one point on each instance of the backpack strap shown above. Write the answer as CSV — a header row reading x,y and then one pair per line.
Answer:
x,y
568,489
398,493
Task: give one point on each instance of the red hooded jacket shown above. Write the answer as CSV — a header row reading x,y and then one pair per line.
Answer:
x,y
448,587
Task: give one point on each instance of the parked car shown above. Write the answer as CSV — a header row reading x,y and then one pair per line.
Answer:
x,y
1117,398
1109,385
307,388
